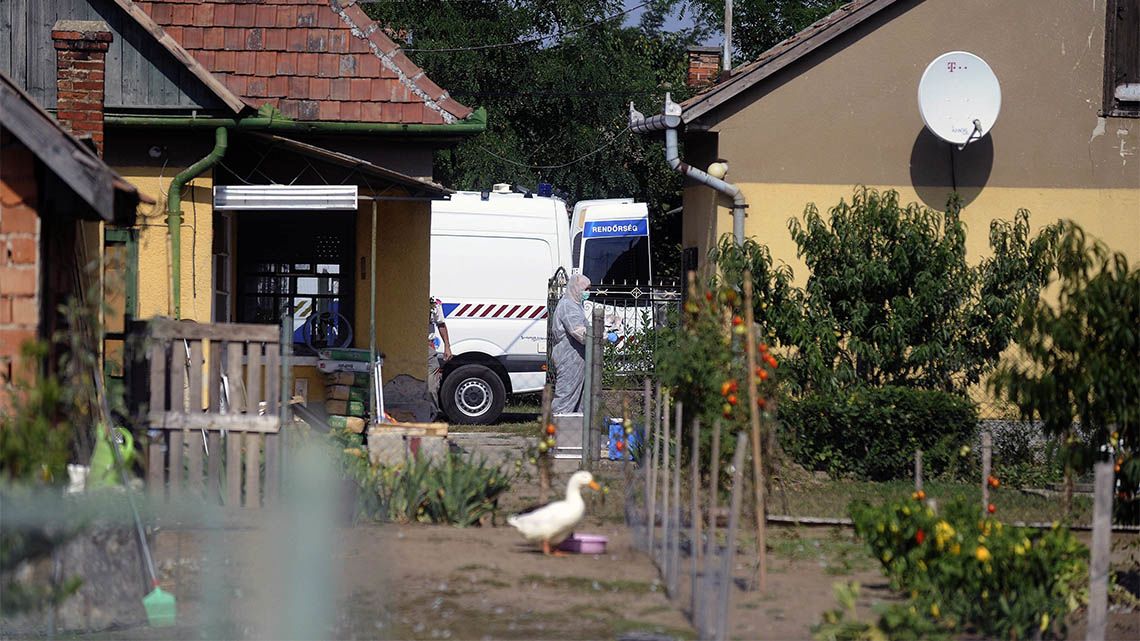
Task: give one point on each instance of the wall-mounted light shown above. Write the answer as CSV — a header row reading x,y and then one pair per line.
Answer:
x,y
290,197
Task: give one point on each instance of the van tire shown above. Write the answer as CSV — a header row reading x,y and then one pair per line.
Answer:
x,y
473,395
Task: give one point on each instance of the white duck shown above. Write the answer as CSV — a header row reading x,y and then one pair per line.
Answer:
x,y
553,522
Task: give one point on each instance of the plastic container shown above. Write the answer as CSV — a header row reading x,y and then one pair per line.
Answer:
x,y
584,544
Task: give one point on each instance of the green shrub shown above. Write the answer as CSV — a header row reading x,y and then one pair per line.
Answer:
x,y
966,573
458,489
35,432
872,433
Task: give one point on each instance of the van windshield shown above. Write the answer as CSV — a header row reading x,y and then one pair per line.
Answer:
x,y
617,261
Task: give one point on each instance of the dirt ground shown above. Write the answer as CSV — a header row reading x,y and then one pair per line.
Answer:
x,y
437,582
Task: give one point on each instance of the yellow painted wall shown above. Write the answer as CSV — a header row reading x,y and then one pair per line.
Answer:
x,y
1112,215
197,243
403,254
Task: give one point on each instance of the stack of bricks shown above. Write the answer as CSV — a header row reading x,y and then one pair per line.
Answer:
x,y
704,66
19,240
81,51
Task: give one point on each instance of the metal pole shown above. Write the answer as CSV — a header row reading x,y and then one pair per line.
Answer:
x,y
373,402
711,565
727,63
918,470
1101,551
598,384
654,462
587,403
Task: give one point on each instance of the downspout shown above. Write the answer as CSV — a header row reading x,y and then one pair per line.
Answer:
x,y
669,121
174,212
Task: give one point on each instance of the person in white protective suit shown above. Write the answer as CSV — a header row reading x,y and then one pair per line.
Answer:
x,y
569,355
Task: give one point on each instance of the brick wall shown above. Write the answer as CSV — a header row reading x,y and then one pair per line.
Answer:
x,y
704,66
19,243
81,51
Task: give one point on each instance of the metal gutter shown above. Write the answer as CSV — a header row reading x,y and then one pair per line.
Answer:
x,y
174,212
669,121
476,123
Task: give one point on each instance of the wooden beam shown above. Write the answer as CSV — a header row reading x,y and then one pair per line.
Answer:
x,y
167,328
76,166
204,421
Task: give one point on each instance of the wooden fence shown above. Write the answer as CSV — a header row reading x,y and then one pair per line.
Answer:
x,y
214,415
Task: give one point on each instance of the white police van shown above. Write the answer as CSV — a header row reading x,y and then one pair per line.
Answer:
x,y
492,256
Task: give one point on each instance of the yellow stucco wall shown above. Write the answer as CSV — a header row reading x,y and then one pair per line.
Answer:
x,y
197,244
1112,215
403,254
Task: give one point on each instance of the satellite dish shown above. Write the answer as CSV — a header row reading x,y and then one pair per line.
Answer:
x,y
959,97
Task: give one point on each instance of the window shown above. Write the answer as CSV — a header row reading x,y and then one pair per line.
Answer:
x,y
223,272
1122,59
617,261
297,264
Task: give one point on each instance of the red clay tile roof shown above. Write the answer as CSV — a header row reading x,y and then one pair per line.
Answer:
x,y
311,59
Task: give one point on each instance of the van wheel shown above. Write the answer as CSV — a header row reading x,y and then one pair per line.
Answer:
x,y
473,395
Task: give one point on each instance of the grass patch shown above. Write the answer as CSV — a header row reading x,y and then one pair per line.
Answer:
x,y
511,424
657,609
621,626
830,499
472,567
583,584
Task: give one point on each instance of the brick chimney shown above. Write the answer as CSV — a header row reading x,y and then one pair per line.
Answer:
x,y
81,51
704,65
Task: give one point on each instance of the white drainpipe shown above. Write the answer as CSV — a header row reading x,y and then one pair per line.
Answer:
x,y
668,122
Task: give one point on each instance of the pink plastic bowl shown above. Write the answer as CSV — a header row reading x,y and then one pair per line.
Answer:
x,y
584,544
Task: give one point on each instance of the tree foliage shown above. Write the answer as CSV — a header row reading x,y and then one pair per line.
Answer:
x,y
891,299
1082,360
553,101
757,25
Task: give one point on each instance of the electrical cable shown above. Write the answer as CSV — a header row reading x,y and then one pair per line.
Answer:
x,y
560,166
528,40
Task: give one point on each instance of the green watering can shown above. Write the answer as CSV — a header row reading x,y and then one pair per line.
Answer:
x,y
103,472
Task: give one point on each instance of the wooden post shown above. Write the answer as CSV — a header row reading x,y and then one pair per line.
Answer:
x,y
544,458
1101,551
987,452
675,550
711,565
649,440
729,562
665,511
654,463
694,514
918,470
758,481
587,404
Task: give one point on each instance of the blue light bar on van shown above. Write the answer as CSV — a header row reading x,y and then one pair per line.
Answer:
x,y
615,228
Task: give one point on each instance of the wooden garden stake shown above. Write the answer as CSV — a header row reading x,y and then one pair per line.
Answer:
x,y
654,466
987,452
544,457
918,470
733,524
665,494
754,415
1101,550
710,543
647,453
675,550
694,514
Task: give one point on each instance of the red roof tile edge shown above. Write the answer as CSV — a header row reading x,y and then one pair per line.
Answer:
x,y
390,55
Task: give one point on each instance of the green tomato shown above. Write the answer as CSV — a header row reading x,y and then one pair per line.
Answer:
x,y
628,423
542,447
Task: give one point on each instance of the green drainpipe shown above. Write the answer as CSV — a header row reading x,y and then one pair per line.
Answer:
x,y
174,212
